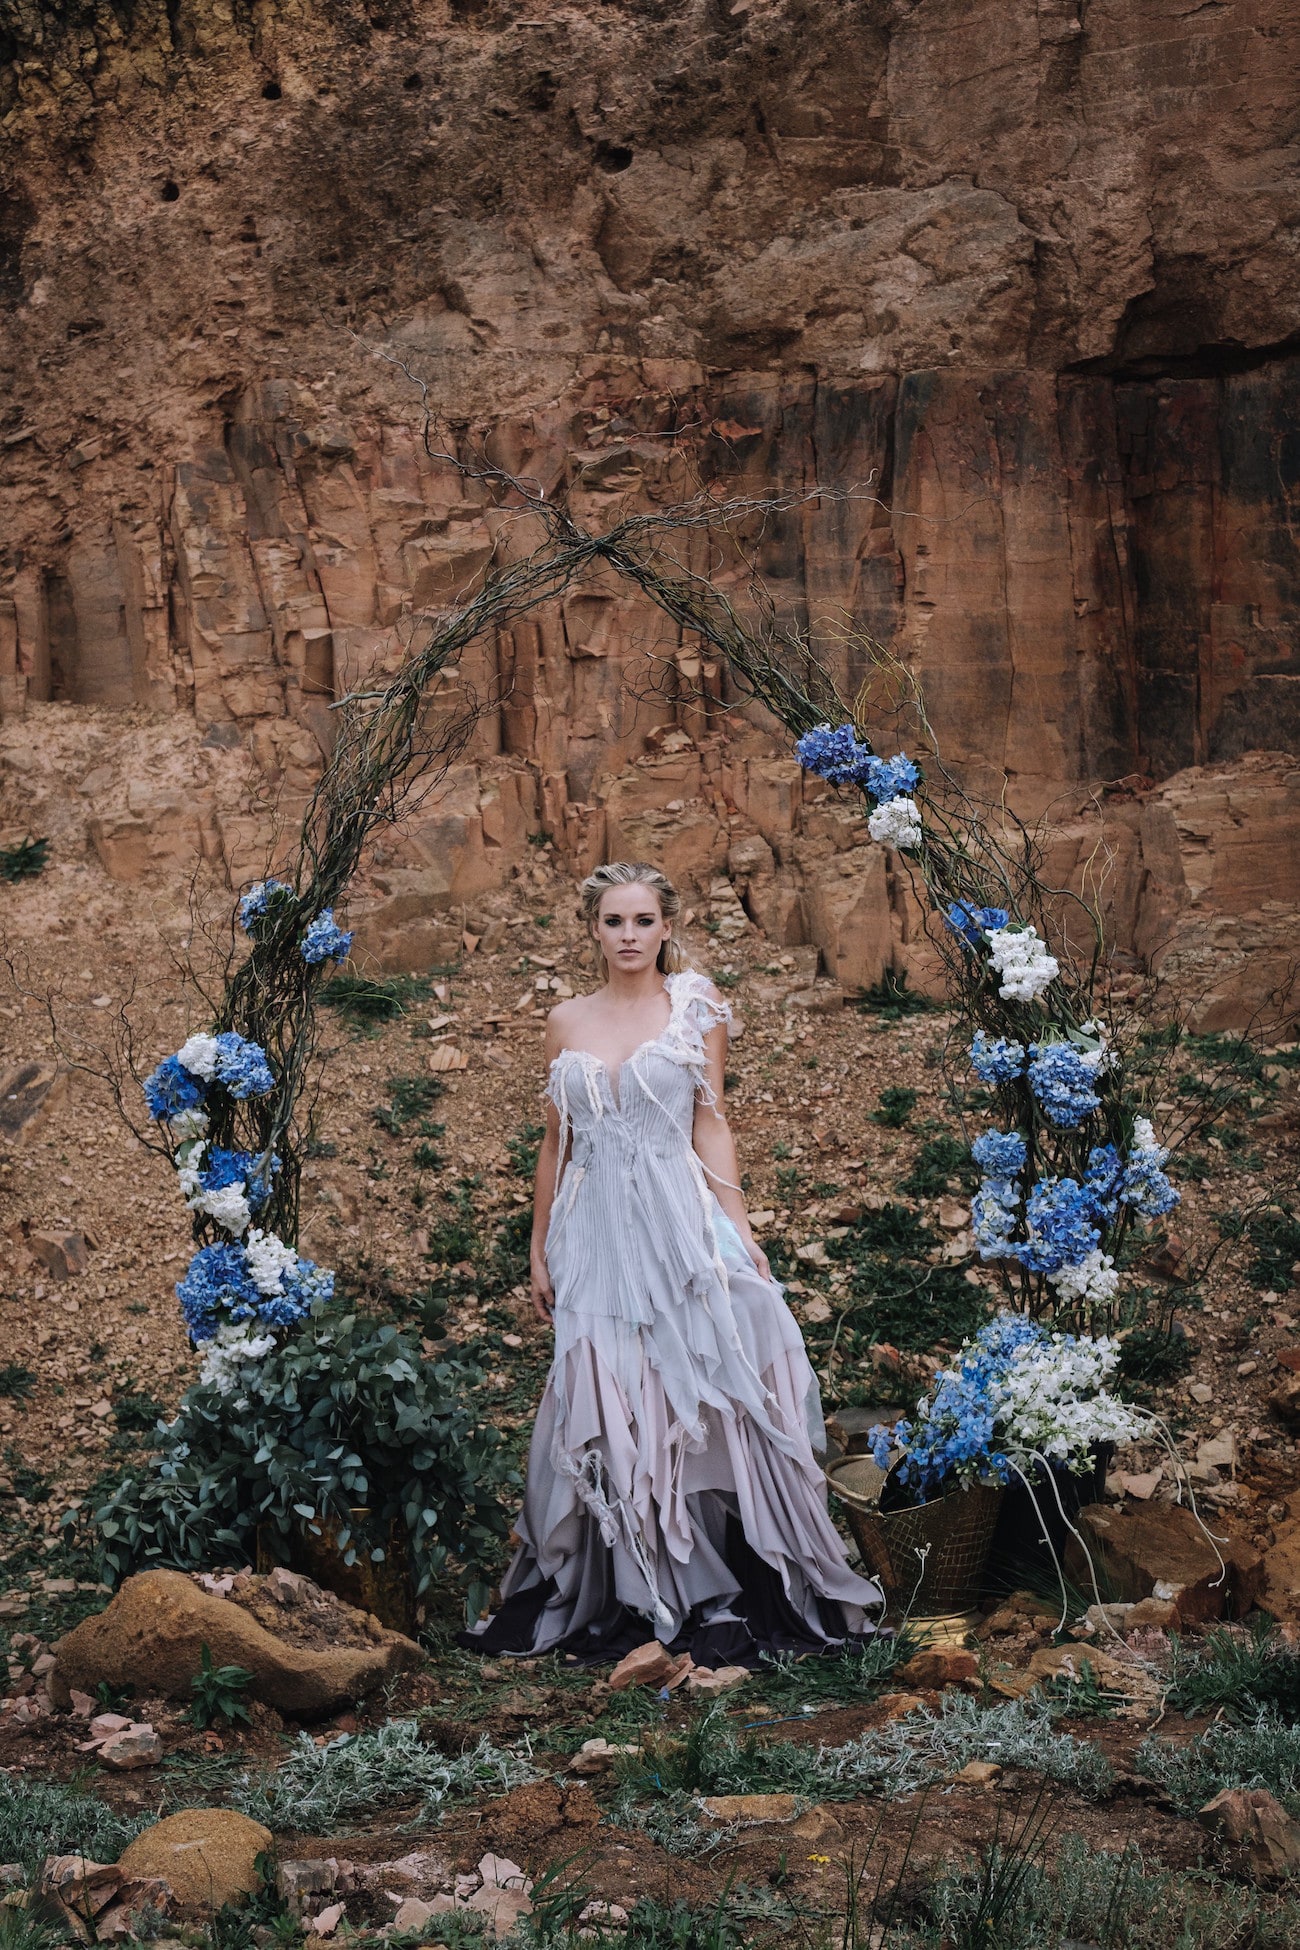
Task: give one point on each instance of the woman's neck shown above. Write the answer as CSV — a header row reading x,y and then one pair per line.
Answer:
x,y
627,989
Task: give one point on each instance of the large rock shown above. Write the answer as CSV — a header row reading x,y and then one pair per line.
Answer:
x,y
207,1856
1161,1550
153,1633
1254,1828
1281,1594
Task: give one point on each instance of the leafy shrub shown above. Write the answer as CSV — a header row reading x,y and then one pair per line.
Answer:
x,y
1237,1673
939,1161
366,1000
1265,1754
314,1788
895,1294
16,1381
24,861
894,1106
40,1818
1275,1235
1154,1355
219,1692
345,1413
408,1098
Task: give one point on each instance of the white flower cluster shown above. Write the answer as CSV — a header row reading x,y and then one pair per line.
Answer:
x,y
1146,1143
233,1349
269,1259
1103,1057
1053,1399
227,1204
1022,960
200,1055
897,823
1093,1279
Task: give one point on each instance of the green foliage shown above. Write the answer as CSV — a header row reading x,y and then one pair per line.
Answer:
x,y
427,1157
315,1788
41,1817
137,1413
894,1106
1081,1695
16,1381
939,1164
892,999
1275,1235
29,1929
728,978
894,1293
1264,1754
24,861
523,1148
409,1098
346,1413
844,1677
1237,1672
1154,1355
219,1692
452,1240
366,1000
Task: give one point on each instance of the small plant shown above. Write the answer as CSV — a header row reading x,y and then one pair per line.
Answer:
x,y
366,1001
138,1413
851,1675
892,999
1081,1695
16,1381
40,1818
114,1699
1264,1754
427,1157
1237,1672
408,1098
452,1240
219,1692
1154,1355
728,978
894,1106
1275,1235
941,1164
24,861
315,1788
523,1148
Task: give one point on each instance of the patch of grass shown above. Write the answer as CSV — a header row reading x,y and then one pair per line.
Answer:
x,y
895,1294
941,1164
408,1098
1275,1235
16,1381
24,861
846,1677
892,999
894,1106
315,1788
523,1148
40,1818
1239,1673
1264,1754
137,1413
1154,1355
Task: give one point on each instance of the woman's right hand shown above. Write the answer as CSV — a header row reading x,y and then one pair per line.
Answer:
x,y
542,1292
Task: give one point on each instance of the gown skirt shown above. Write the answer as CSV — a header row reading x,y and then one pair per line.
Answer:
x,y
673,1488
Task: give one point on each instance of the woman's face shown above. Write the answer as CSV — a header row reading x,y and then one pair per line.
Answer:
x,y
630,928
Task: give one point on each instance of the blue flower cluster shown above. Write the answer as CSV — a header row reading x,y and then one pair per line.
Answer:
x,y
1059,1216
1104,1180
1001,1154
1145,1187
171,1089
219,1287
996,1060
1063,1082
242,1066
222,1168
258,902
841,758
324,941
971,922
954,1435
994,1211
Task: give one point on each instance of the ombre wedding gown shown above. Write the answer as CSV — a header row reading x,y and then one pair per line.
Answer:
x,y
672,1487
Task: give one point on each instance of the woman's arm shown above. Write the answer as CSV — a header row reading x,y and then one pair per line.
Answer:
x,y
548,1159
716,1150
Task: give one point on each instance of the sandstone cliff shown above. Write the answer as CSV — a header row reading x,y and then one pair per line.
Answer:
x,y
1021,273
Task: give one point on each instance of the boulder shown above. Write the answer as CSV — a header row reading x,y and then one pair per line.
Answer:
x,y
154,1631
1282,1572
207,1856
1252,1825
932,1669
751,1807
1161,1550
651,1664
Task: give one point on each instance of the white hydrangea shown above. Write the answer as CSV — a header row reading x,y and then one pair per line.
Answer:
x,y
897,823
199,1055
1103,1058
1022,960
1093,1279
229,1207
189,1163
225,1358
269,1259
188,1124
1144,1140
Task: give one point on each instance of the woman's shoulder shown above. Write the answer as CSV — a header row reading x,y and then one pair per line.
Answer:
x,y
690,986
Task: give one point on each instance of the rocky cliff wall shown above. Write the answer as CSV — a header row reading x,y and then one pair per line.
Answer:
x,y
1018,280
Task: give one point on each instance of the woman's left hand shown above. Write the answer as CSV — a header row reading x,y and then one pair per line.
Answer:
x,y
759,1258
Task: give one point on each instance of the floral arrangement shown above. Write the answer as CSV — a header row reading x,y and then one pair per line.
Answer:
x,y
1017,1399
1071,1162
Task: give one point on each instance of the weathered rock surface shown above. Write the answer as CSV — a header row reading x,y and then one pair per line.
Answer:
x,y
1254,1827
1160,1550
207,1856
158,1623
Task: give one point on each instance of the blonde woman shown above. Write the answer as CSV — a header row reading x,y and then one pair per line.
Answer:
x,y
672,1489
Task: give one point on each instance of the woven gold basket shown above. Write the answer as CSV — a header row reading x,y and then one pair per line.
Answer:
x,y
930,1559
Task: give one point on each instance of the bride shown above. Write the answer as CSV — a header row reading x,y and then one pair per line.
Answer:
x,y
672,1484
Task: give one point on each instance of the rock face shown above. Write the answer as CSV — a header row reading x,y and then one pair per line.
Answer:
x,y
1034,339
156,1627
1160,1550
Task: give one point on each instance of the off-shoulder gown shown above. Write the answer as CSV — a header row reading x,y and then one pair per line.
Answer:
x,y
672,1488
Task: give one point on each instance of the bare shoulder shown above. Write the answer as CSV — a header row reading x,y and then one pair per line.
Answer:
x,y
565,1021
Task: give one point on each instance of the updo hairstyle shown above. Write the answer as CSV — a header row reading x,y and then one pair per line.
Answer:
x,y
633,873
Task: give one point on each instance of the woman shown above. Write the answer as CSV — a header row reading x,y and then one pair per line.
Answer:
x,y
672,1487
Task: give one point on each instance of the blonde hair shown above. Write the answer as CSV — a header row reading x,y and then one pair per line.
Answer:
x,y
634,873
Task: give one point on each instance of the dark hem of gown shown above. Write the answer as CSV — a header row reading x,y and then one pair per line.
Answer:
x,y
765,1625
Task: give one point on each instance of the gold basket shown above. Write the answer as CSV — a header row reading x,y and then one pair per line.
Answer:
x,y
931,1558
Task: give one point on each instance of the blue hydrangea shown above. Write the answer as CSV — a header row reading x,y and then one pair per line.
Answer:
x,y
1145,1187
996,1060
890,778
324,941
1103,1180
307,1286
242,1066
837,756
222,1168
170,1089
970,922
259,900
1058,1220
217,1285
1064,1084
994,1211
1005,1334
1001,1154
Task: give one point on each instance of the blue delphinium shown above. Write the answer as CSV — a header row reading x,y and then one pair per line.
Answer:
x,y
242,1066
324,941
953,1434
971,922
1063,1082
1058,1220
171,1089
836,756
996,1060
1001,1154
259,901
217,1284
